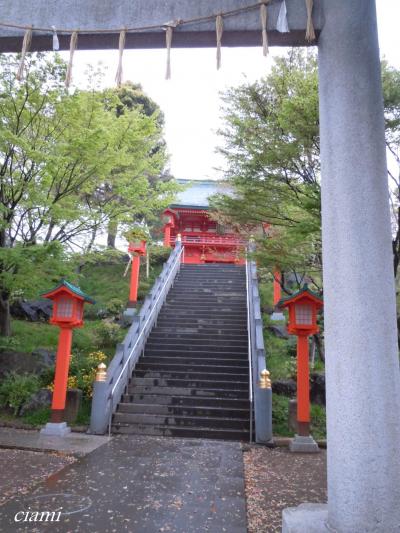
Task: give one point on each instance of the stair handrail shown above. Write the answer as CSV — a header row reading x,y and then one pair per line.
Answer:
x,y
261,398
128,352
249,348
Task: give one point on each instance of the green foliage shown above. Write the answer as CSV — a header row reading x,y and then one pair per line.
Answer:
x,y
108,333
38,417
15,389
28,271
318,421
114,307
72,163
280,418
271,146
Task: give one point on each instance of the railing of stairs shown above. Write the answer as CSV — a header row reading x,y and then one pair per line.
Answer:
x,y
107,394
260,398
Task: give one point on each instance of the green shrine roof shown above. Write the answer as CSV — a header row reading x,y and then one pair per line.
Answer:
x,y
197,193
73,288
305,290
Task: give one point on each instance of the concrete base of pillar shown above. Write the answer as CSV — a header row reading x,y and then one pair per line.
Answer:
x,y
129,315
306,518
52,429
277,316
301,444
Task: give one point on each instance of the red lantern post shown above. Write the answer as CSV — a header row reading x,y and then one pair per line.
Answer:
x,y
68,301
303,307
136,249
277,286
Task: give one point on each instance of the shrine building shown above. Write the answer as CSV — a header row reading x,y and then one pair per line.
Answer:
x,y
204,239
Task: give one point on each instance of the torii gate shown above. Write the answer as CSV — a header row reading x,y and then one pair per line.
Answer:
x,y
362,367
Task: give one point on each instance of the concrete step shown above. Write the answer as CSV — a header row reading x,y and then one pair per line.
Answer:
x,y
172,341
190,360
178,421
211,314
190,375
211,392
206,337
188,401
201,330
233,323
184,432
183,410
196,383
184,367
236,347
205,354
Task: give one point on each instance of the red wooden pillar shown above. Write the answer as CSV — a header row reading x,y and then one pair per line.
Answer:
x,y
61,375
167,235
277,286
303,386
133,290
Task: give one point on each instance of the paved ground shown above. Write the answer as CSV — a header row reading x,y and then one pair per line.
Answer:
x,y
21,470
275,479
74,443
142,484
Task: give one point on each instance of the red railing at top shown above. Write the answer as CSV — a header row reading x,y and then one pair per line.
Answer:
x,y
210,240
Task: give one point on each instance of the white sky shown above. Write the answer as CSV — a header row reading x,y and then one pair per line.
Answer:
x,y
190,100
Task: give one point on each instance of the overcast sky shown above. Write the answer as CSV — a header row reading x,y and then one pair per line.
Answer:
x,y
190,100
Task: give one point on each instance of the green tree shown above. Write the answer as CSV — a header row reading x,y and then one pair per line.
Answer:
x,y
271,146
130,96
57,153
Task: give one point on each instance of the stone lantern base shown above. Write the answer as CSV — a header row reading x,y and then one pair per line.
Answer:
x,y
306,518
55,429
303,444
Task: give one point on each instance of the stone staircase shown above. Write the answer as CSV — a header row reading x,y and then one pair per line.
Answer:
x,y
192,380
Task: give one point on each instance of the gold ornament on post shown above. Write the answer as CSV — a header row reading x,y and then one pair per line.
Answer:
x,y
101,374
265,381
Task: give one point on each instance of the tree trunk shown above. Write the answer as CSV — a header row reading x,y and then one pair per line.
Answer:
x,y
320,346
112,233
5,315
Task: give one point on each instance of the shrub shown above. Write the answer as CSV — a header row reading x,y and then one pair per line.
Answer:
x,y
16,389
108,333
114,307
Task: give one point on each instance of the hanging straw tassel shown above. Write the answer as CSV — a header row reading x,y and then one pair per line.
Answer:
x,y
310,33
118,76
56,43
168,38
219,25
72,48
264,17
25,48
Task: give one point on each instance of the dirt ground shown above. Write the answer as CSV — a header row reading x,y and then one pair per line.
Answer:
x,y
275,479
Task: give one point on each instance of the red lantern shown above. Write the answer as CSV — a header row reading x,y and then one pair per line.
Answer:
x,y
303,307
68,301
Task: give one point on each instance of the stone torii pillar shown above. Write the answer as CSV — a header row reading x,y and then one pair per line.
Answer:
x,y
362,365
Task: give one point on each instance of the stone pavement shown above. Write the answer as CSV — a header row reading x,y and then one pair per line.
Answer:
x,y
142,484
73,444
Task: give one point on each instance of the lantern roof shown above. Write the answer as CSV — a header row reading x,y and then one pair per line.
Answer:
x,y
65,286
303,294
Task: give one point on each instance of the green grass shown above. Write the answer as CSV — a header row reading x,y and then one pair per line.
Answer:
x,y
30,336
40,417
